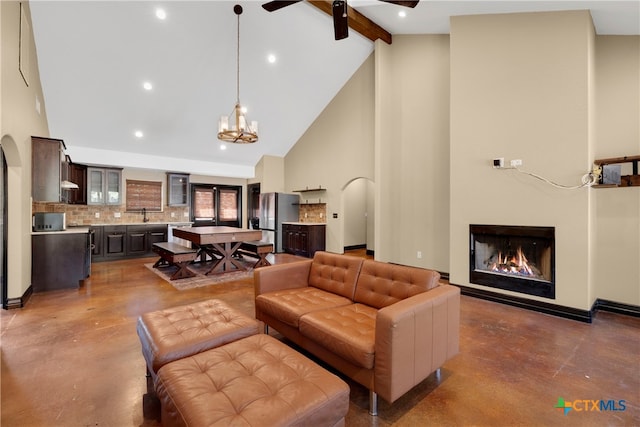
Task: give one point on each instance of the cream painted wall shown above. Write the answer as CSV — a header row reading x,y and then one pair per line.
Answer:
x,y
269,172
616,211
412,151
520,90
19,121
337,148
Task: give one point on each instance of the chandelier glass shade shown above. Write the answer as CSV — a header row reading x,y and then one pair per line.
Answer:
x,y
235,127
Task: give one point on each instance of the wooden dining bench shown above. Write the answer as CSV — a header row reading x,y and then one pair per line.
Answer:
x,y
256,249
175,254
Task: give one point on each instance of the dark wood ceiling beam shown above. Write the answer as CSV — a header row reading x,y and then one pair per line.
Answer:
x,y
357,21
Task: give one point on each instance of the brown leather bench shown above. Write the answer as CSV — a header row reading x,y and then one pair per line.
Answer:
x,y
255,381
175,254
256,249
177,332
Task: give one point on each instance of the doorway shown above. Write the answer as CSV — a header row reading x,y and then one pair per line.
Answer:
x,y
216,205
358,196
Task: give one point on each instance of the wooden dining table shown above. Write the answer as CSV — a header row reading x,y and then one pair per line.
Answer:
x,y
224,241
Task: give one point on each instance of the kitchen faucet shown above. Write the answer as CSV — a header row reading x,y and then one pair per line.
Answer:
x,y
144,215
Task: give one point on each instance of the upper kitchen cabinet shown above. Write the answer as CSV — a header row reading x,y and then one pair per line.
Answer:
x,y
47,162
177,189
78,175
104,186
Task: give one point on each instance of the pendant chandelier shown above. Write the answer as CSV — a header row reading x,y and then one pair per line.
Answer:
x,y
235,128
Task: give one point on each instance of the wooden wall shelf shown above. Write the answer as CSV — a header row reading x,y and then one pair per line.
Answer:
x,y
632,180
308,190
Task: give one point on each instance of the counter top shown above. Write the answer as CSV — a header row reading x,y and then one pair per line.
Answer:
x,y
69,230
181,223
304,223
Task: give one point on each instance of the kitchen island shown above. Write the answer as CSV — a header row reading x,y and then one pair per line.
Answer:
x,y
60,259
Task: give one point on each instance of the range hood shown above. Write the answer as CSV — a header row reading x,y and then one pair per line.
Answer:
x,y
68,185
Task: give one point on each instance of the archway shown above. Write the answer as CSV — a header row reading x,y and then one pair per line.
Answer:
x,y
9,157
358,223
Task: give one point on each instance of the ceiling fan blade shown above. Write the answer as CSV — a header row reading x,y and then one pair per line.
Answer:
x,y
411,4
275,5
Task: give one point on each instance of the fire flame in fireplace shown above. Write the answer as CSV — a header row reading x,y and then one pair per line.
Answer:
x,y
512,264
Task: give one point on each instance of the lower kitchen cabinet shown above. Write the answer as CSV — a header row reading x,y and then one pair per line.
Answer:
x,y
126,241
303,239
115,240
60,260
140,239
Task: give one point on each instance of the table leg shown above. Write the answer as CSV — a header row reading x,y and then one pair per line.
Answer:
x,y
227,262
204,250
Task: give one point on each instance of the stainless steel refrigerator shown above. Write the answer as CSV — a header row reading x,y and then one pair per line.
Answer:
x,y
276,208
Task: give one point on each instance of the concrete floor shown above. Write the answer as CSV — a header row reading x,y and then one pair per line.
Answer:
x,y
72,358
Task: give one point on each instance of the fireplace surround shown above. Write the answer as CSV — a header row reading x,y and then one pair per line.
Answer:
x,y
514,258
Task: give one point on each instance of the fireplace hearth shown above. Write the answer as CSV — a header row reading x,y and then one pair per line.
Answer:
x,y
514,258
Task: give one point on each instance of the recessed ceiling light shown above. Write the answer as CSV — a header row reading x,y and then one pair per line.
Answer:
x,y
223,147
138,134
147,85
271,58
402,14
161,14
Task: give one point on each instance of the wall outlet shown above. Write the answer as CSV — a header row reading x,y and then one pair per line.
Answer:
x,y
498,163
116,215
515,163
419,255
185,214
173,214
97,214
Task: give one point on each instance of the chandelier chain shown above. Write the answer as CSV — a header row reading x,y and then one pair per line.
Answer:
x,y
238,62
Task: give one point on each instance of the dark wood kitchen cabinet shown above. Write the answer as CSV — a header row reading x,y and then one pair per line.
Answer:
x,y
115,241
303,239
126,241
140,239
60,260
48,158
78,175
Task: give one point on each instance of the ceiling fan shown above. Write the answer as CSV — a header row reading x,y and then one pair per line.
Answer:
x,y
339,11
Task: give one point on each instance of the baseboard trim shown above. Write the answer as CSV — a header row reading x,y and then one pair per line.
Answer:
x,y
616,307
13,303
539,306
354,247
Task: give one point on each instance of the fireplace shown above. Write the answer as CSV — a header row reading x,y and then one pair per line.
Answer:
x,y
514,258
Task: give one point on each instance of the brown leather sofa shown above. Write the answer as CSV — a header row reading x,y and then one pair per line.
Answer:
x,y
386,326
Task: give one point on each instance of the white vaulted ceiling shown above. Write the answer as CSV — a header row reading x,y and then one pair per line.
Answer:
x,y
94,57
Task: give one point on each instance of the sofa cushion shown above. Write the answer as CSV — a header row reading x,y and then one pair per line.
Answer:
x,y
348,331
289,304
381,284
335,273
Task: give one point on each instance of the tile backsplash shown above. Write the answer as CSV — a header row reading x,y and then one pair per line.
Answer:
x,y
83,215
313,212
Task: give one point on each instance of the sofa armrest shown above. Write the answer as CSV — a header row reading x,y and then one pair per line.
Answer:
x,y
281,276
414,337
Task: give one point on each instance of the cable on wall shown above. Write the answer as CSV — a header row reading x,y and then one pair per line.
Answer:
x,y
588,179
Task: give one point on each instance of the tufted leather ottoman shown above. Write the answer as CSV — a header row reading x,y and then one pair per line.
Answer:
x,y
255,381
178,332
